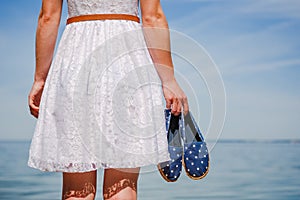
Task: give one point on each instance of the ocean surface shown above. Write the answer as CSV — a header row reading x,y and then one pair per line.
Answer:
x,y
239,170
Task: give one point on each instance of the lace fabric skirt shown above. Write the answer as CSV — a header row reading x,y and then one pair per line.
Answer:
x,y
102,104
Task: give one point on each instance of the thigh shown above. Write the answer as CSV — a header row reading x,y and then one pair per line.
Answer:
x,y
79,185
120,183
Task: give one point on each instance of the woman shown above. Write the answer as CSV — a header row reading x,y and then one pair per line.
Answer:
x,y
85,120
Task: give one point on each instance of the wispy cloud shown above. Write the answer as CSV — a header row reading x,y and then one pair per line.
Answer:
x,y
238,32
273,8
256,46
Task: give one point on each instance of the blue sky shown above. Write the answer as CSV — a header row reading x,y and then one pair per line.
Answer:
x,y
254,43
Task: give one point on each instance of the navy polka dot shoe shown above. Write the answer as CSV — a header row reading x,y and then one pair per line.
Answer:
x,y
170,170
196,157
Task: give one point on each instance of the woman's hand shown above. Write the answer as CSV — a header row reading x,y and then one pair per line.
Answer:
x,y
34,98
175,97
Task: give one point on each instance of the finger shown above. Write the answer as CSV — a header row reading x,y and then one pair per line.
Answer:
x,y
179,107
34,110
35,113
168,103
178,111
176,108
33,106
31,103
185,105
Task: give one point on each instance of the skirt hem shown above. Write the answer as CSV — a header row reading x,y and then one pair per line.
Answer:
x,y
85,167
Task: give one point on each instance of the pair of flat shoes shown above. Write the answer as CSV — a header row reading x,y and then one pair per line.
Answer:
x,y
187,148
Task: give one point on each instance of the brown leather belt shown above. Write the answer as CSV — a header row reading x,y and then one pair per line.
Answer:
x,y
103,17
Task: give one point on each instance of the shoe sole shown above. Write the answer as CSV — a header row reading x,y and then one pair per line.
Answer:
x,y
164,176
195,177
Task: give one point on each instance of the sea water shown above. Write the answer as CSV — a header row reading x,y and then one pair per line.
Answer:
x,y
239,170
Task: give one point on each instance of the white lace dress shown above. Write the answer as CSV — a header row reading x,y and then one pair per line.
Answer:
x,y
102,104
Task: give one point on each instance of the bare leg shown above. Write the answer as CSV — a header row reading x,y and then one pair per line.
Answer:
x,y
120,184
79,186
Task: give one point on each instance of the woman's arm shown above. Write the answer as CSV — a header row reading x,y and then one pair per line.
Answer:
x,y
46,34
156,31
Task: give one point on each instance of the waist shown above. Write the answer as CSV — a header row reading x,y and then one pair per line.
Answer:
x,y
93,17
